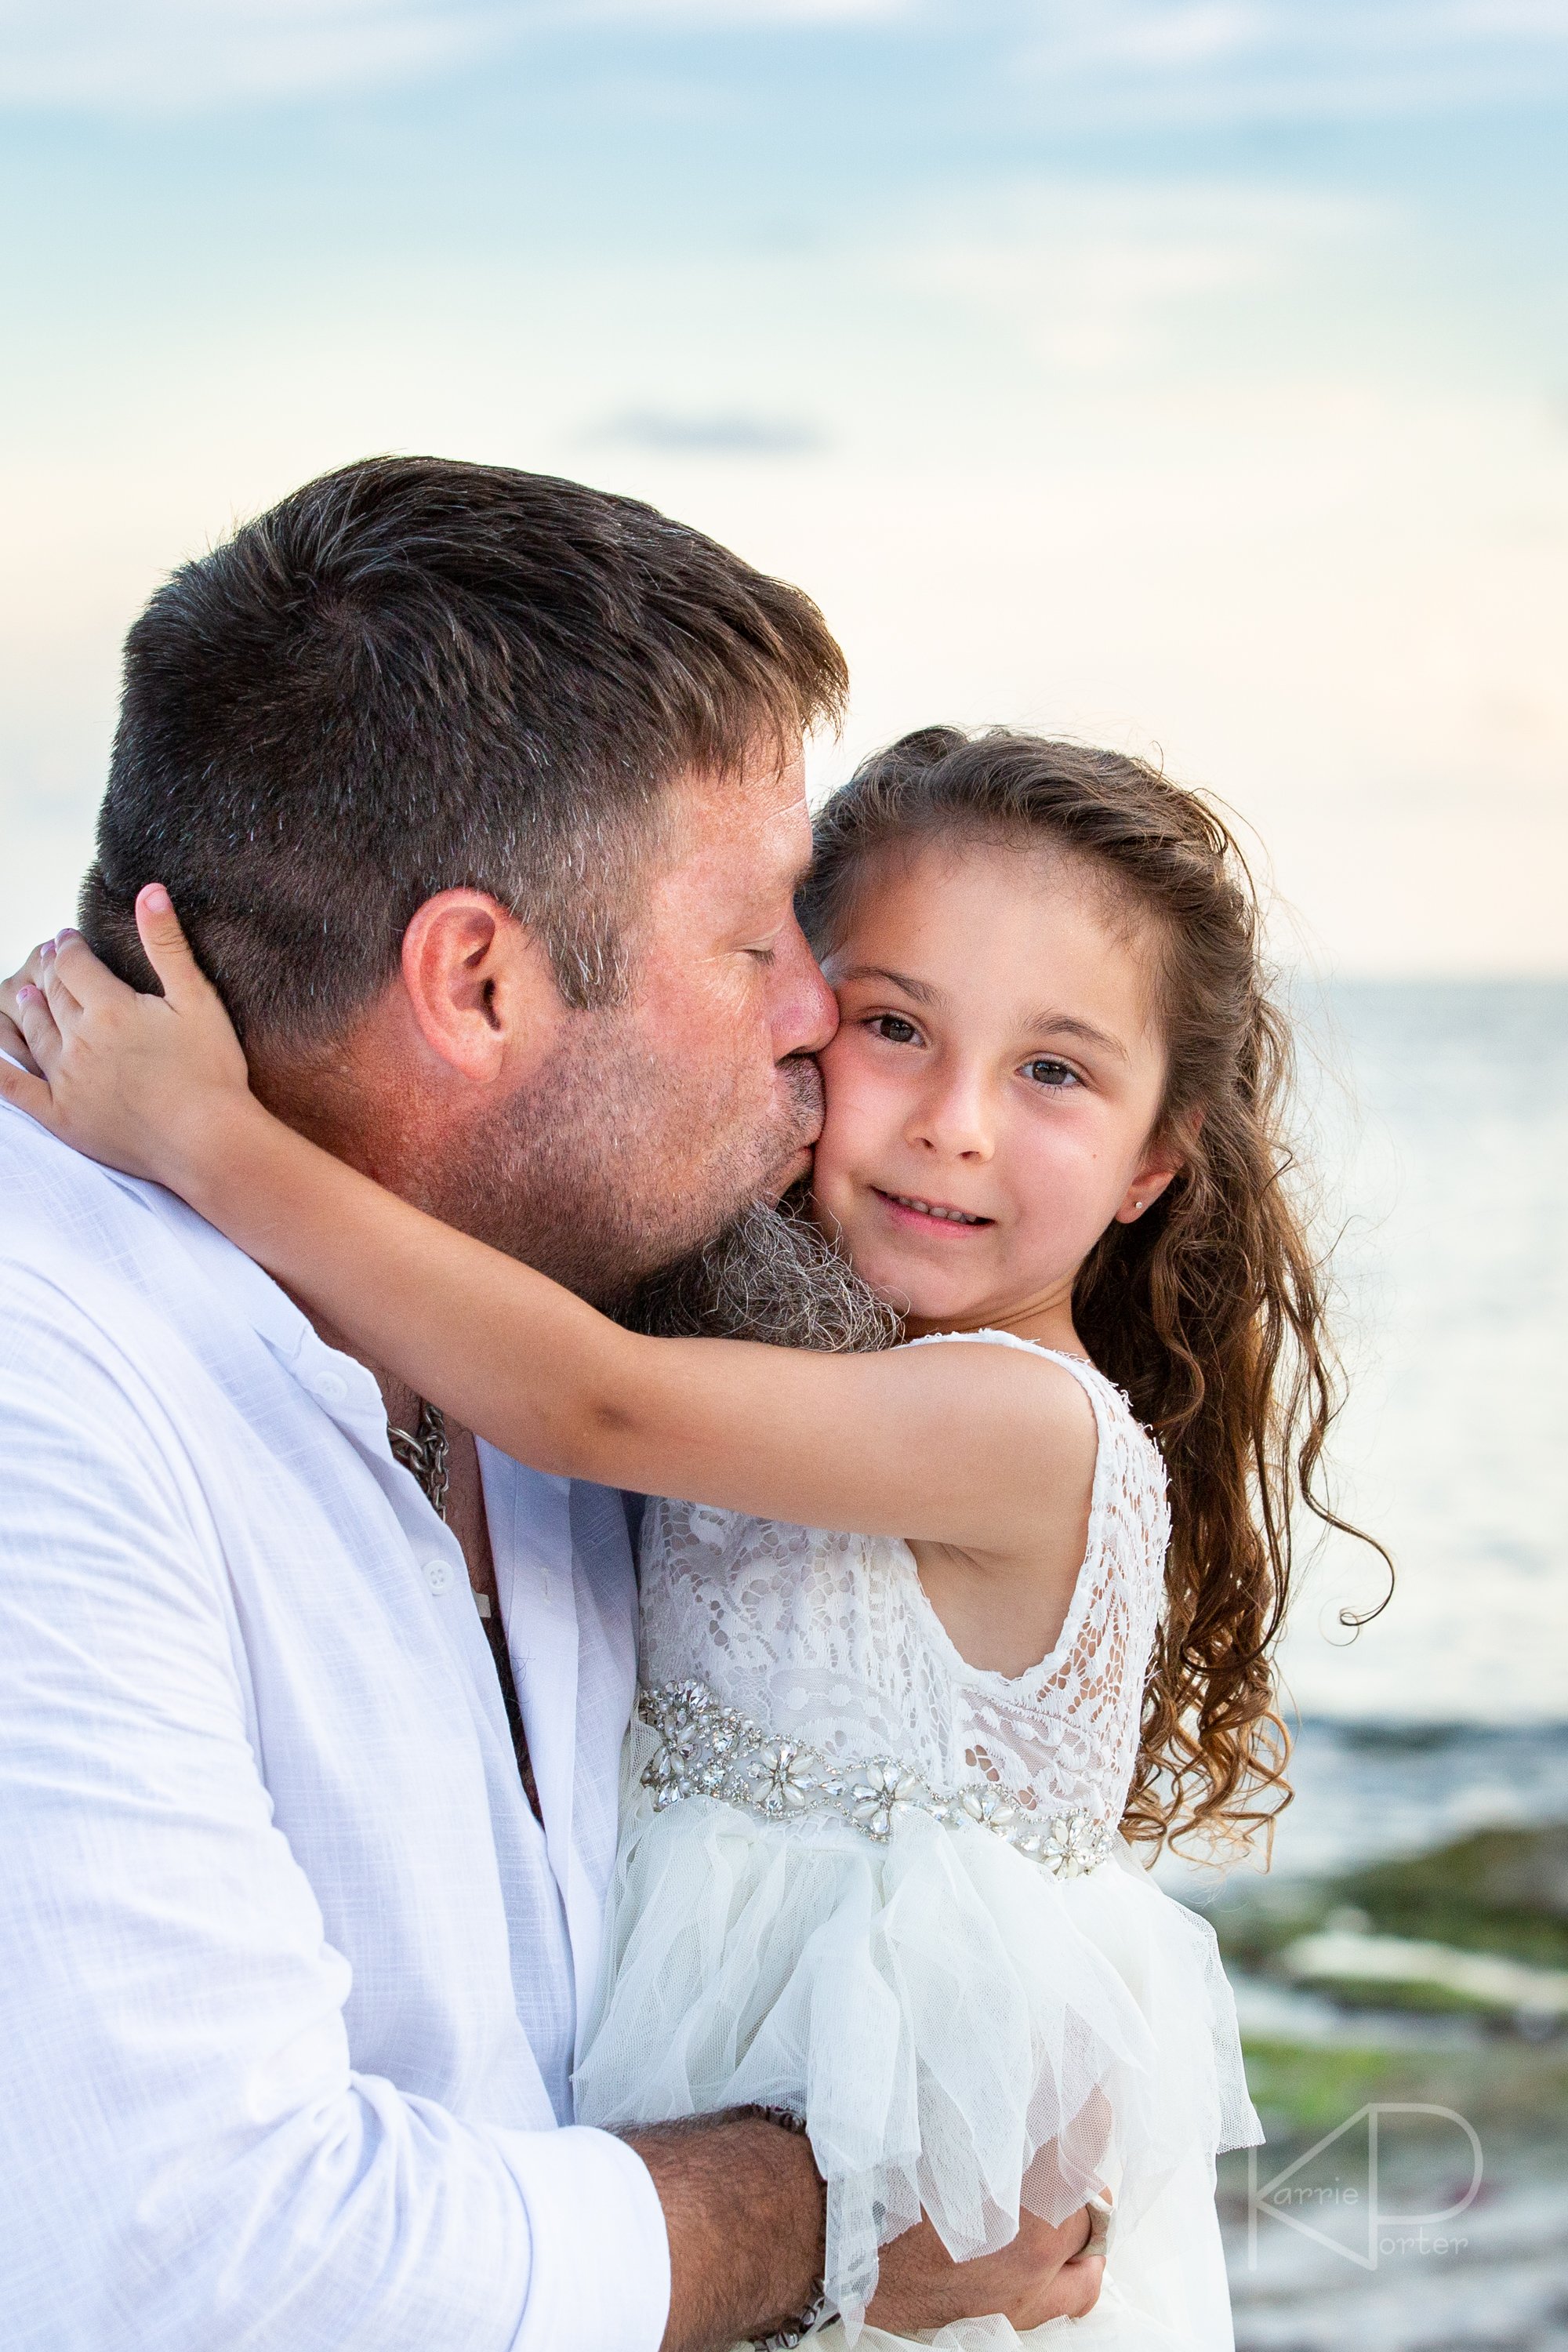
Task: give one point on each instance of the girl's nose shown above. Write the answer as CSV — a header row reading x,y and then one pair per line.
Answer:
x,y
953,1120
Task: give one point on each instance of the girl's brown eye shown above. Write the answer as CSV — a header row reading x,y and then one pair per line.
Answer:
x,y
1048,1072
894,1028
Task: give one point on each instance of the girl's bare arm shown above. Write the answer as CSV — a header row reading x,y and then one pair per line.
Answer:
x,y
975,1446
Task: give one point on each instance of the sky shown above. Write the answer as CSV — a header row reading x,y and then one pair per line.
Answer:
x,y
1190,375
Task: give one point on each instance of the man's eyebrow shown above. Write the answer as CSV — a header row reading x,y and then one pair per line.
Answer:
x,y
921,990
1063,1024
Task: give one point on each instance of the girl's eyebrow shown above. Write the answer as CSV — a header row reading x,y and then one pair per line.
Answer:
x,y
921,990
1062,1024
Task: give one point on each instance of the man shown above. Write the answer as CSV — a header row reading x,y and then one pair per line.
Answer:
x,y
479,795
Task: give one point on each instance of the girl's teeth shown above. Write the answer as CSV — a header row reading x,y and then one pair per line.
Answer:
x,y
949,1216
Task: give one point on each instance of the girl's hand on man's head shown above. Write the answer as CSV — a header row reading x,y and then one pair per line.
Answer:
x,y
12,1041
143,1083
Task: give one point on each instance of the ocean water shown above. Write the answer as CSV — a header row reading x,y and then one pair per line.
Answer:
x,y
1438,1131
1437,1136
1366,1791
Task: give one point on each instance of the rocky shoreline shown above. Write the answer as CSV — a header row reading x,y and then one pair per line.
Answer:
x,y
1407,2047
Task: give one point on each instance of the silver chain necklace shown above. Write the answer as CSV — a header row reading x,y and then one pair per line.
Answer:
x,y
426,1453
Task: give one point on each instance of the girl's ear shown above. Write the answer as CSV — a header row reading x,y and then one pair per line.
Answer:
x,y
1166,1156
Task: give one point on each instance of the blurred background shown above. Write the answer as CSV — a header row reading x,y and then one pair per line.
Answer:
x,y
1186,374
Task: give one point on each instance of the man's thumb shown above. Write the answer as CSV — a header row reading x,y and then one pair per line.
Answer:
x,y
166,947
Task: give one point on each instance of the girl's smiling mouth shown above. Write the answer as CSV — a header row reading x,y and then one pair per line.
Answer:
x,y
911,1210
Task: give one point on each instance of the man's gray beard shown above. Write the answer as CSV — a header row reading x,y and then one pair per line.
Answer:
x,y
770,1276
587,1175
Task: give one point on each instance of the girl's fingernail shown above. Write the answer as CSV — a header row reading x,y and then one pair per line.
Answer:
x,y
157,900
61,936
47,951
27,993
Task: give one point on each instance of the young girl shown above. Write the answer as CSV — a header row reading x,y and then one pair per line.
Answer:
x,y
928,1634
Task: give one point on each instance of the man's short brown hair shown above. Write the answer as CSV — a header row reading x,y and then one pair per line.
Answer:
x,y
414,675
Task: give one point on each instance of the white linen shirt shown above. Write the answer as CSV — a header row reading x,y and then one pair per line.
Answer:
x,y
290,1974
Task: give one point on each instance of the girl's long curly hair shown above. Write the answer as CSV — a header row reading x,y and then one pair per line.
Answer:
x,y
1209,1309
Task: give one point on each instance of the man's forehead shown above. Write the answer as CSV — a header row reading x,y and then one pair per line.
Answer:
x,y
758,815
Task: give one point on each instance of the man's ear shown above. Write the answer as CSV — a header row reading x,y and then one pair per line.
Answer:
x,y
1167,1154
479,986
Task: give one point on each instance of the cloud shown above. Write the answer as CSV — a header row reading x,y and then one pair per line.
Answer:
x,y
729,434
179,55
1090,278
1238,60
1102,59
135,55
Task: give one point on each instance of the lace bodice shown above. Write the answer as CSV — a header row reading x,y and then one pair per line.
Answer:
x,y
829,1639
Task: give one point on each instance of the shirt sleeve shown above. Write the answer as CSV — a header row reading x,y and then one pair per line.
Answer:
x,y
188,2157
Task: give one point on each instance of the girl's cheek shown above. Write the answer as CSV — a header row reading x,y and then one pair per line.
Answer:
x,y
851,1098
835,1144
827,1161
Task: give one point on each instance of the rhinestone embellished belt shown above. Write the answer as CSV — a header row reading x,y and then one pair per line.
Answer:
x,y
706,1750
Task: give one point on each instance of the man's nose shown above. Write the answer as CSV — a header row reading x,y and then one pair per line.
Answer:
x,y
803,1012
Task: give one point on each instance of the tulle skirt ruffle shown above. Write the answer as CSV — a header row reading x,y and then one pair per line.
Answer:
x,y
963,2033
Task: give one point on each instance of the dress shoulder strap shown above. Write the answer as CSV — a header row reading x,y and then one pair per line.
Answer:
x,y
1106,1399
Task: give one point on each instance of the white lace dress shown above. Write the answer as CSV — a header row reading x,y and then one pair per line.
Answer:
x,y
864,1880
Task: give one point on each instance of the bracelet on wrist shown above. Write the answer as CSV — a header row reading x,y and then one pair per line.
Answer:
x,y
796,2331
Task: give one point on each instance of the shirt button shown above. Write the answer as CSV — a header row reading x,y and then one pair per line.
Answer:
x,y
331,1387
438,1575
